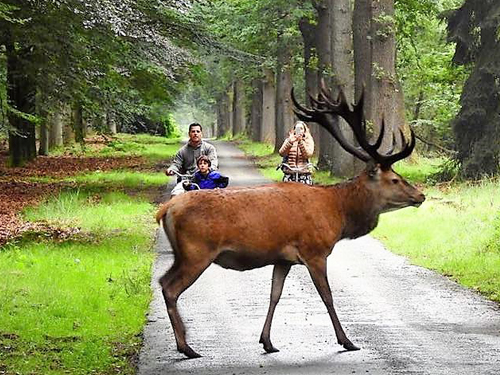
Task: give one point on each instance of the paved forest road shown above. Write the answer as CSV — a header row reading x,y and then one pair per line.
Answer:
x,y
406,319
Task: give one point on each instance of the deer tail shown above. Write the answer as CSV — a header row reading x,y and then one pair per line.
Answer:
x,y
162,212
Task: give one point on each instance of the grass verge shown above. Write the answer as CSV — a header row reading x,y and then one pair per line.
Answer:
x,y
78,305
76,302
455,232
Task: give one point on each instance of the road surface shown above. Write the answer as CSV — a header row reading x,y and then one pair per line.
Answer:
x,y
406,319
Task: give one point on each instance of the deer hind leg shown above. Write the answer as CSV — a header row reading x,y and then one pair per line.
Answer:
x,y
280,273
317,270
176,280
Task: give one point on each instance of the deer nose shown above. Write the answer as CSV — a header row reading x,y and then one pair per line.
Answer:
x,y
418,200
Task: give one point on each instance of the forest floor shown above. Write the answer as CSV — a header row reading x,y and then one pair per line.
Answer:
x,y
29,185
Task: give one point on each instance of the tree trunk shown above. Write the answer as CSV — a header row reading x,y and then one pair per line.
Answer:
x,y
110,122
224,115
230,110
268,126
284,109
220,116
311,74
344,164
238,108
78,123
21,97
477,126
256,110
323,43
375,55
362,50
385,88
68,131
43,149
55,130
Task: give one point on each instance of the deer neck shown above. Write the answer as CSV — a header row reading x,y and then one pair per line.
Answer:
x,y
359,207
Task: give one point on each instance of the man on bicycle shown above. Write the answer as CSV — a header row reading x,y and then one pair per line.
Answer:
x,y
185,159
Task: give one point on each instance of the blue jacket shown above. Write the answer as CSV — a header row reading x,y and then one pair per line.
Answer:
x,y
211,181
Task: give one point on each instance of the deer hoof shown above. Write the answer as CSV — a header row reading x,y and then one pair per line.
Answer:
x,y
348,345
268,347
188,352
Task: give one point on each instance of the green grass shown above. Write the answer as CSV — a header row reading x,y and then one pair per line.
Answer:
x,y
455,232
255,149
154,152
418,169
109,180
152,147
78,306
124,179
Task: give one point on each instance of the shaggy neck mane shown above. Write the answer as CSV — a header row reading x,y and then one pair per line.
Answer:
x,y
357,203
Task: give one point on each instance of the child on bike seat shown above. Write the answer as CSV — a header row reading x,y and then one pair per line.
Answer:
x,y
205,178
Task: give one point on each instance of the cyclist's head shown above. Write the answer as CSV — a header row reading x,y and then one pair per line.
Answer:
x,y
195,132
195,124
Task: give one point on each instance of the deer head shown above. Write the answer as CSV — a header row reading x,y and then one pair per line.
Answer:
x,y
390,189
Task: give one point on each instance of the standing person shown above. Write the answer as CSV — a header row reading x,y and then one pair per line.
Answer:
x,y
185,159
296,151
205,178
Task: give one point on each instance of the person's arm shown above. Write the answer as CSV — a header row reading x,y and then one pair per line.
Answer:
x,y
220,180
285,147
306,148
287,144
176,163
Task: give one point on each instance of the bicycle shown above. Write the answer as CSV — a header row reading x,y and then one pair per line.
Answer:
x,y
296,171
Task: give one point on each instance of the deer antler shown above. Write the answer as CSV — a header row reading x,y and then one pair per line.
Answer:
x,y
324,107
325,119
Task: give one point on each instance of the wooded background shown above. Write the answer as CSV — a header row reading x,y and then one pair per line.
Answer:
x,y
70,66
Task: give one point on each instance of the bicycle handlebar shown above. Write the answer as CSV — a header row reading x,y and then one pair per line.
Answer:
x,y
304,168
182,175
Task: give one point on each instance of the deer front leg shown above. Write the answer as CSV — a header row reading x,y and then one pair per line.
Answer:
x,y
177,279
317,270
280,272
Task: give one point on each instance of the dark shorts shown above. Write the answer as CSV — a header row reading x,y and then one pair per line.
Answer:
x,y
304,178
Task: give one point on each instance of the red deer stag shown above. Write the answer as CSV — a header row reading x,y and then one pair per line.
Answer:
x,y
247,228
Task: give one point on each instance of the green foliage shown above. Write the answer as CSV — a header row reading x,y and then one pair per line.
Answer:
x,y
105,56
171,127
447,171
431,83
252,28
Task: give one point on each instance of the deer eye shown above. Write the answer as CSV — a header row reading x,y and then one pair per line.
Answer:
x,y
395,181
